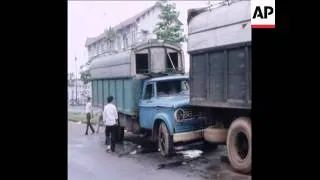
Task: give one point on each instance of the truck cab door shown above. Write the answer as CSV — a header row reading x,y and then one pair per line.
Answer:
x,y
147,106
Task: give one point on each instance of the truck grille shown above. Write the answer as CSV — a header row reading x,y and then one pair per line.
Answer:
x,y
192,114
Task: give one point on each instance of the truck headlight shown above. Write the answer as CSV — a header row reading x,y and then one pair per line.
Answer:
x,y
179,114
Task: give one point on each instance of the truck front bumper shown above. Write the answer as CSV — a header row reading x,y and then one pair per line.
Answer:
x,y
188,136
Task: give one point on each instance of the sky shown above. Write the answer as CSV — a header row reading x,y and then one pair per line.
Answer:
x,y
90,18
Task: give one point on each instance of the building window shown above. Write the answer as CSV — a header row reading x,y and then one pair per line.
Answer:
x,y
119,43
109,45
95,49
105,47
144,34
112,44
102,47
134,36
125,41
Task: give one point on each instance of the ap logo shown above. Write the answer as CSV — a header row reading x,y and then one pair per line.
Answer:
x,y
263,14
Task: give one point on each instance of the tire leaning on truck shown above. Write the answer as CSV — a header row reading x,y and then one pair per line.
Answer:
x,y
214,136
239,145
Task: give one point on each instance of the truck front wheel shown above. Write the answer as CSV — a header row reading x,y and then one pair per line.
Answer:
x,y
239,145
165,141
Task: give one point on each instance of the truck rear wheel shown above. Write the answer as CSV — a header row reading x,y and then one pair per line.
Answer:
x,y
165,141
239,145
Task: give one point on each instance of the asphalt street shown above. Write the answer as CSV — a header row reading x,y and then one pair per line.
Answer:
x,y
88,160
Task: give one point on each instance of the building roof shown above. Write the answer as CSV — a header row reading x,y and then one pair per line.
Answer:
x,y
122,25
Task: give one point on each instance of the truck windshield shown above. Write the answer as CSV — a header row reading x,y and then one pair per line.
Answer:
x,y
171,88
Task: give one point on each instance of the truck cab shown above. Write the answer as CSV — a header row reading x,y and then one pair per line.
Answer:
x,y
164,109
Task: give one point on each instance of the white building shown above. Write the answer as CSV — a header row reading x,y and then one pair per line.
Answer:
x,y
80,92
136,29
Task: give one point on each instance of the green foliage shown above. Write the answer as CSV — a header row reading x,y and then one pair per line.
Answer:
x,y
169,29
71,76
85,73
110,34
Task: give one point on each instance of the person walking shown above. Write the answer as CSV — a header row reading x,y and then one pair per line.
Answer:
x,y
89,114
110,117
100,122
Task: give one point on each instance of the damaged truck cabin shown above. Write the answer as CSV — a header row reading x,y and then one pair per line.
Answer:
x,y
219,44
150,91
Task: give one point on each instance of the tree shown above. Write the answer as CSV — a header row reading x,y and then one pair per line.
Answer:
x,y
169,29
110,34
71,75
70,78
85,73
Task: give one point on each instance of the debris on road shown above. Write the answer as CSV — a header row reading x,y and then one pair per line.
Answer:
x,y
188,156
171,164
176,163
191,153
179,148
133,152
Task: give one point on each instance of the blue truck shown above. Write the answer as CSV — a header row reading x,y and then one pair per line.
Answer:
x,y
151,92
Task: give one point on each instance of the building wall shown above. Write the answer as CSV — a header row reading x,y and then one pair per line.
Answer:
x,y
128,36
149,22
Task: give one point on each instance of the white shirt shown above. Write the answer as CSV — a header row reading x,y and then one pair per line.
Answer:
x,y
88,107
110,114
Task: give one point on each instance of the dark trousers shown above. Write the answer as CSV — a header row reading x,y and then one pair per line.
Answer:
x,y
89,123
111,130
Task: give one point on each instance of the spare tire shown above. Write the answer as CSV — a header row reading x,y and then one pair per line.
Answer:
x,y
215,135
239,145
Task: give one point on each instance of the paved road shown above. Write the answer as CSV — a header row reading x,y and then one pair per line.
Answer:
x,y
87,160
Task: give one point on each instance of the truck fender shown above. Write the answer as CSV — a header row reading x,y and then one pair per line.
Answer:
x,y
157,120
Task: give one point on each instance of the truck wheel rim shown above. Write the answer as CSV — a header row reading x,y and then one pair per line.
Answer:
x,y
162,141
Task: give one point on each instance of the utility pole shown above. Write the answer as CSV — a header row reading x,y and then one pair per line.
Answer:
x,y
75,60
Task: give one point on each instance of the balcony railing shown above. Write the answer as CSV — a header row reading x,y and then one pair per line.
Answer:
x,y
133,38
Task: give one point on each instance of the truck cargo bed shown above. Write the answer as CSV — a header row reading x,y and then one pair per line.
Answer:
x,y
222,78
219,44
126,93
